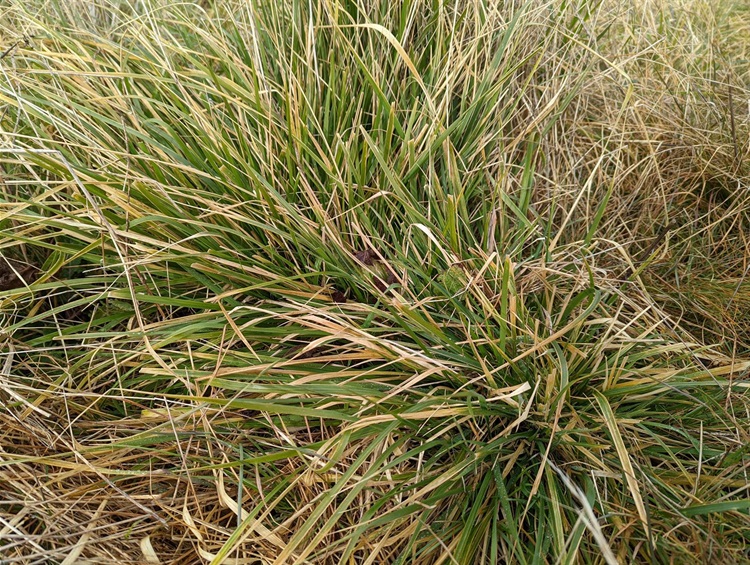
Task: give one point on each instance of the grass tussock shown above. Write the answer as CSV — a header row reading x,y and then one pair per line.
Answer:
x,y
374,282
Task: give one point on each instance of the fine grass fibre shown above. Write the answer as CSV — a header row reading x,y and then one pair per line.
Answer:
x,y
339,281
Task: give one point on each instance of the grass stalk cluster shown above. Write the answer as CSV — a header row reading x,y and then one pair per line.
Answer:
x,y
348,281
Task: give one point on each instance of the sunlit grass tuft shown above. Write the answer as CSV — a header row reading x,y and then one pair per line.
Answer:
x,y
340,282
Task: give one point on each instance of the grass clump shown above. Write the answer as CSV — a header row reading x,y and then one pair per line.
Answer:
x,y
374,282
